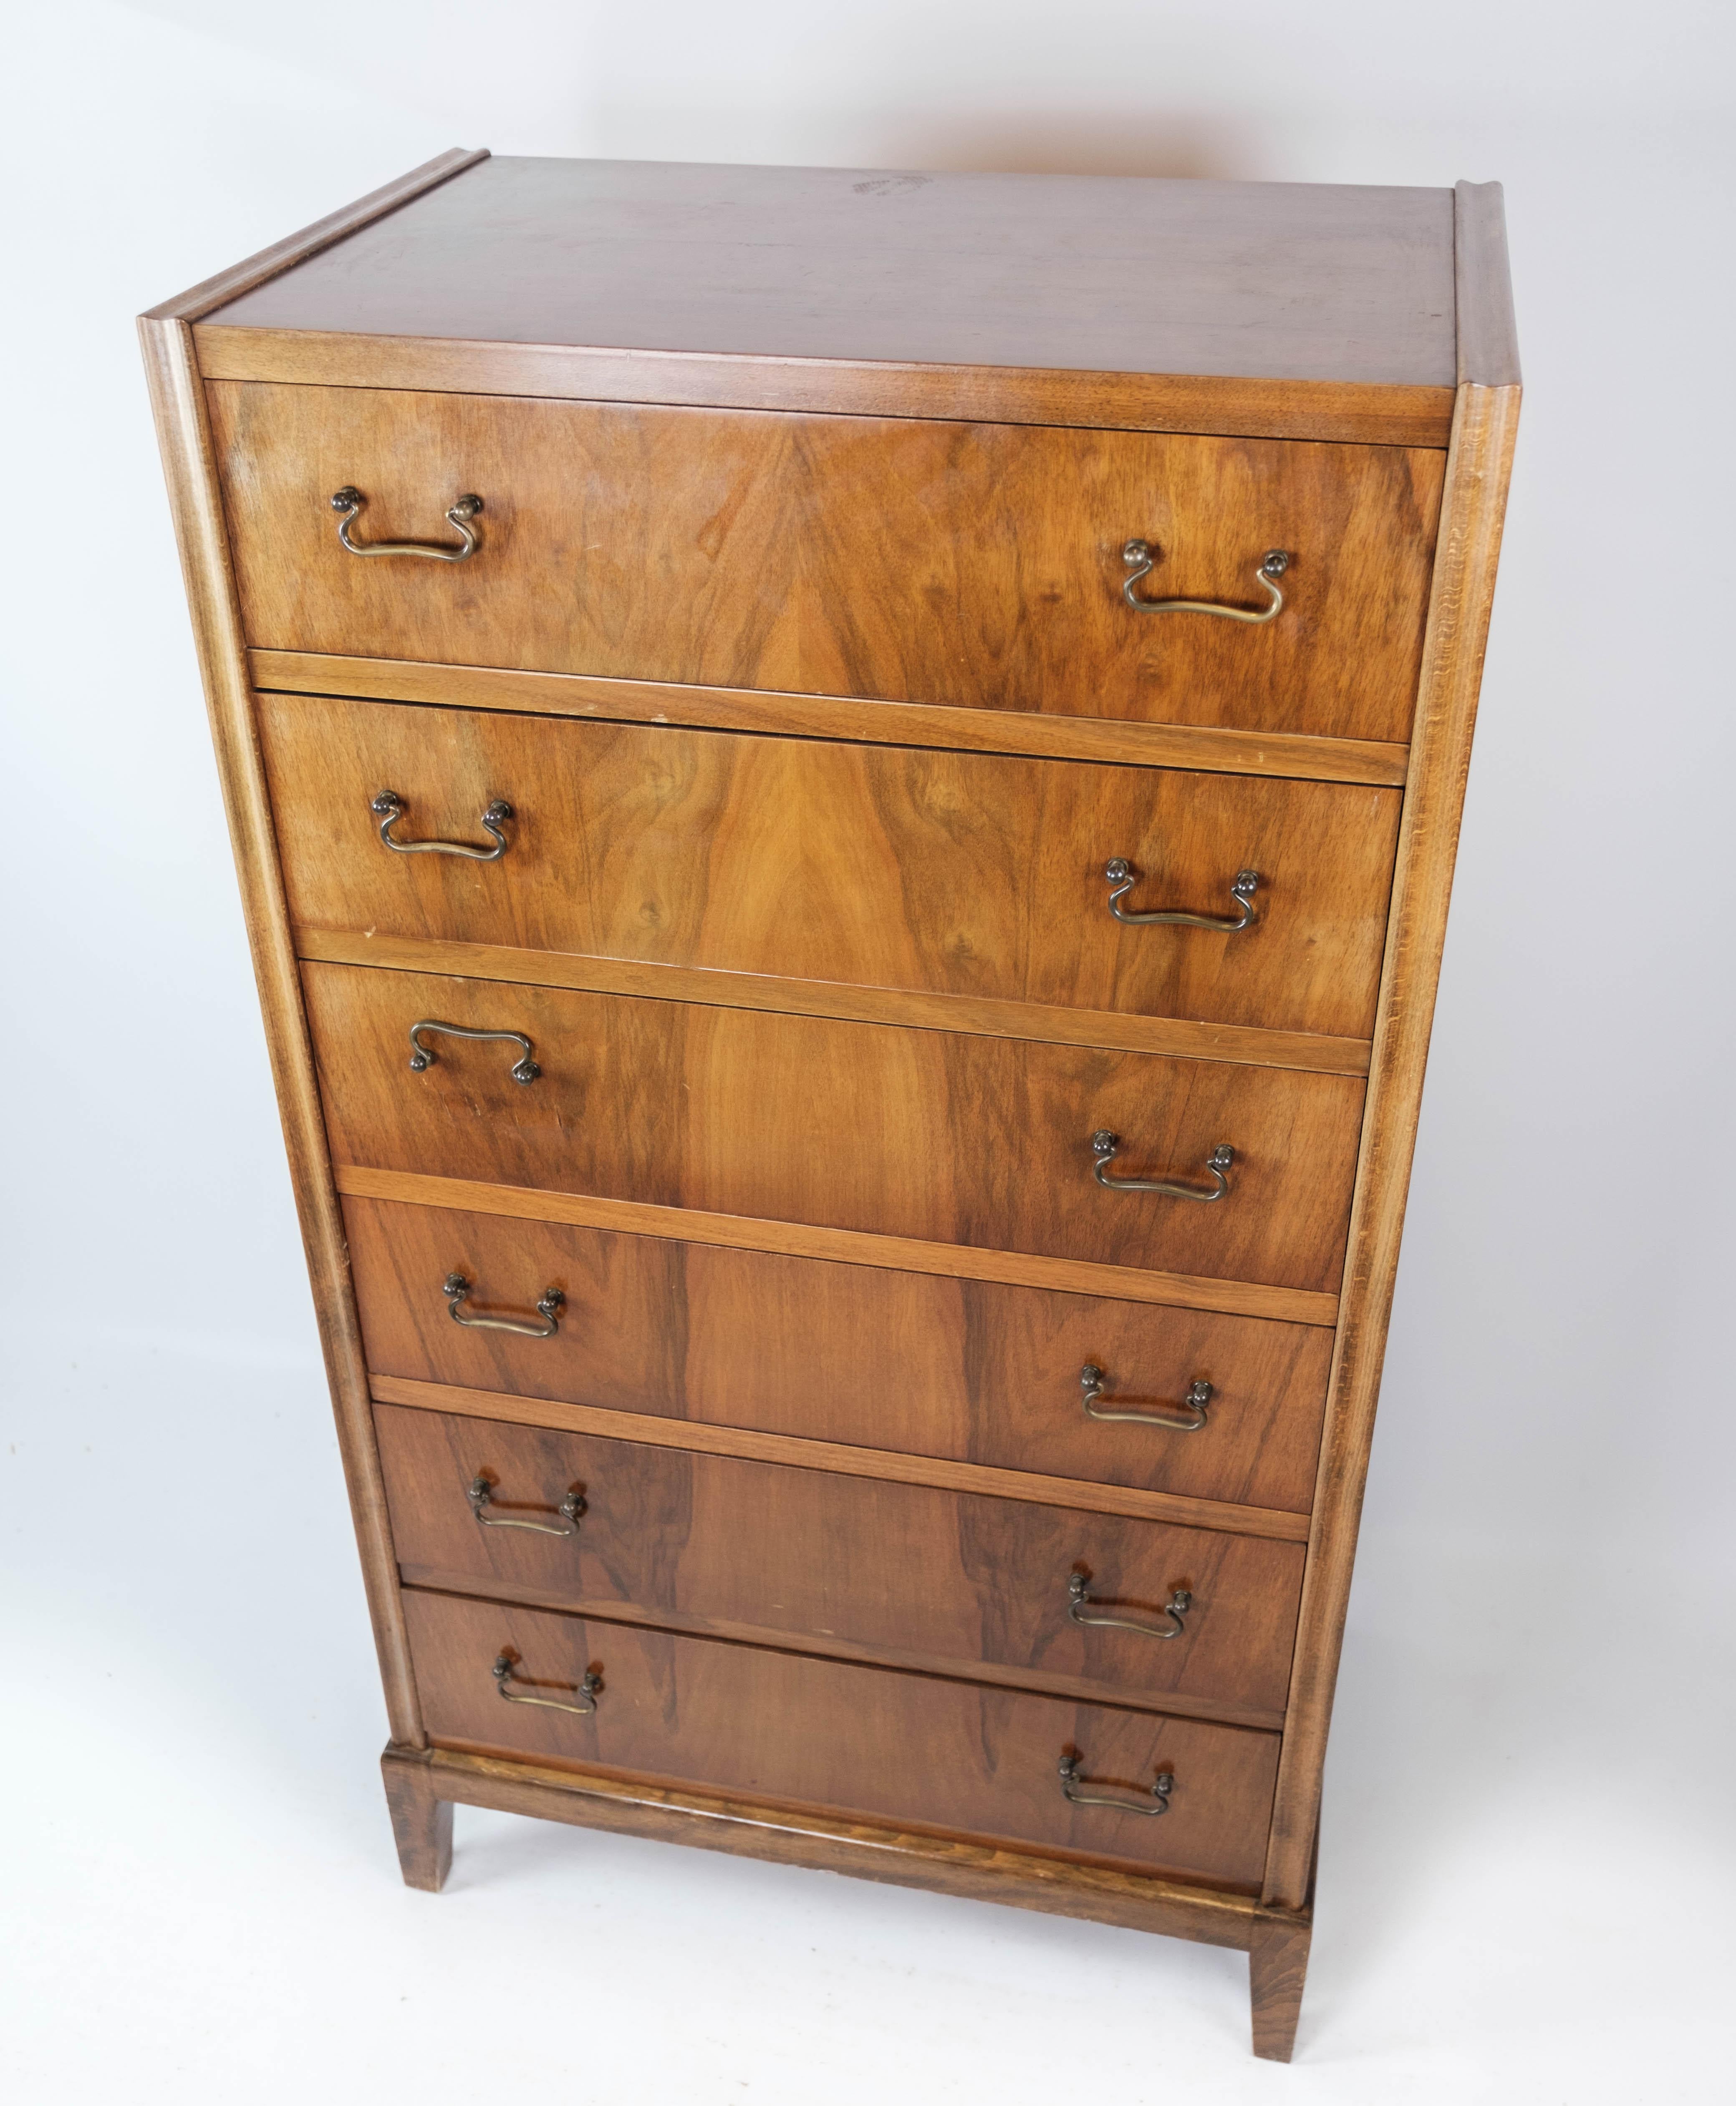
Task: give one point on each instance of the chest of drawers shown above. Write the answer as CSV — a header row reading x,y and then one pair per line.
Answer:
x,y
846,788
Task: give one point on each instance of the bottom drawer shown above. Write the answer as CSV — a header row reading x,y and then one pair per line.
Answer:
x,y
905,1748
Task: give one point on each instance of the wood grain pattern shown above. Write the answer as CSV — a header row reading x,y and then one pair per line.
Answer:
x,y
928,1135
296,249
433,1578
836,716
1332,282
753,1828
906,1574
901,528
183,434
1277,1972
520,1202
967,1759
1353,413
506,1408
421,1823
971,566
1458,630
1309,1051
967,875
912,1364
1300,310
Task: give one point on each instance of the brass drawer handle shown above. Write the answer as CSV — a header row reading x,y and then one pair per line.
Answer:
x,y
1103,1146
480,1493
455,1287
423,1056
349,500
1079,1598
587,1690
1162,1785
1121,875
388,808
1092,1381
1140,556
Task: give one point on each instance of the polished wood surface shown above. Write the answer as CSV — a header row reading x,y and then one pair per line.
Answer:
x,y
1362,412
925,1134
754,1828
836,716
1488,350
911,1363
965,1759
523,1203
887,1465
1458,631
295,249
1039,1681
184,436
833,538
914,1576
969,875
1181,1039
966,565
1319,281
1309,312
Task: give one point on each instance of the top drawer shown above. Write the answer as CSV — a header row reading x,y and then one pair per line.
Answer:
x,y
978,565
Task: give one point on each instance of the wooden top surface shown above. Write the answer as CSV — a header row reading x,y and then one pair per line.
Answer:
x,y
1320,282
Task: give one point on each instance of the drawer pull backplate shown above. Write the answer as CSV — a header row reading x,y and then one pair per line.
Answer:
x,y
347,502
1121,877
1092,1381
1140,556
1079,1598
586,1692
1162,1785
480,1493
455,1287
1103,1146
388,808
421,1057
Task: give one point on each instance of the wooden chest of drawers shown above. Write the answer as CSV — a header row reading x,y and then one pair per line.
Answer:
x,y
845,789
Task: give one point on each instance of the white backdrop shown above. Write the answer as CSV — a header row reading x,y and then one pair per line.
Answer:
x,y
1522,1892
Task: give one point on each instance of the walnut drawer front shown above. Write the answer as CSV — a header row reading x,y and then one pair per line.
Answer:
x,y
911,1363
907,560
932,1134
918,1576
943,872
962,1757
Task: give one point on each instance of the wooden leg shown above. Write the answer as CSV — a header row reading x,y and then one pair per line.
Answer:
x,y
421,1824
1277,1967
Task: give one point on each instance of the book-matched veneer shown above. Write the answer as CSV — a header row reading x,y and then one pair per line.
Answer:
x,y
760,658
911,1363
1101,1606
971,566
947,873
989,1142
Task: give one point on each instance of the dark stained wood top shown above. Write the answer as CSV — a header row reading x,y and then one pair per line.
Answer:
x,y
1488,341
205,298
1319,282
